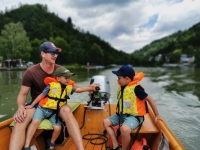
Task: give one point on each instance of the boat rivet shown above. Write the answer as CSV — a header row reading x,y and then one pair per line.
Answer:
x,y
88,119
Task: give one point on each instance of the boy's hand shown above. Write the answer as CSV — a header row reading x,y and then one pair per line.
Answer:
x,y
29,107
158,117
94,86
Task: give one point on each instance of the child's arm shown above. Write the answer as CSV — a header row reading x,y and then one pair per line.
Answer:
x,y
155,110
39,97
92,85
91,88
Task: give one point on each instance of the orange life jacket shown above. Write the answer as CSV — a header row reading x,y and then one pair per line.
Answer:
x,y
51,100
129,101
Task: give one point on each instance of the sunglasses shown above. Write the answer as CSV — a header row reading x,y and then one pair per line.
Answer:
x,y
53,53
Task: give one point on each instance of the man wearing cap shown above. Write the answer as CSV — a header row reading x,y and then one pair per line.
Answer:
x,y
131,108
33,81
51,100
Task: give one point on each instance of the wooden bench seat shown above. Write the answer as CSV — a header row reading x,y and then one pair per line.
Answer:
x,y
148,126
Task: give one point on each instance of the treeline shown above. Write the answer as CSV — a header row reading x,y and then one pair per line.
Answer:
x,y
40,25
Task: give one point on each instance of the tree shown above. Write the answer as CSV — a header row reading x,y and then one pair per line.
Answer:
x,y
97,54
69,21
76,47
35,53
1,58
14,43
66,54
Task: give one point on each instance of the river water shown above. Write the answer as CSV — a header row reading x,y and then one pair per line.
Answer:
x,y
176,92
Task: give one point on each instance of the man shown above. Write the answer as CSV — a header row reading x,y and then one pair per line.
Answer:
x,y
33,81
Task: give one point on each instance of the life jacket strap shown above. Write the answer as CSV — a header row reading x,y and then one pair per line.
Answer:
x,y
57,99
139,127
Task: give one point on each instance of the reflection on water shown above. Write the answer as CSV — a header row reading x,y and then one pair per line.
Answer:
x,y
9,87
174,90
183,81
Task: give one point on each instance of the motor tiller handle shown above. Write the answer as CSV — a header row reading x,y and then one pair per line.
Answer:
x,y
97,88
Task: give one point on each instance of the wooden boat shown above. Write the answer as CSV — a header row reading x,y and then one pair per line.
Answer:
x,y
90,120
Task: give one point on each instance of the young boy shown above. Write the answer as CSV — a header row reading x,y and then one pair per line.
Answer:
x,y
53,97
131,107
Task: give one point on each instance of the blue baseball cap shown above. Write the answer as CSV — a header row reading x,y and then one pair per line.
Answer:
x,y
49,47
125,71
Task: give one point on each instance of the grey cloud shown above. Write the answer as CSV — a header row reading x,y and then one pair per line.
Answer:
x,y
94,3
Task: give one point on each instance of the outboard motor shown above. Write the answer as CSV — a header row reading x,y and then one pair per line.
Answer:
x,y
102,95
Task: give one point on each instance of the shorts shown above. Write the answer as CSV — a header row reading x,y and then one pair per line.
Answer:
x,y
44,113
128,120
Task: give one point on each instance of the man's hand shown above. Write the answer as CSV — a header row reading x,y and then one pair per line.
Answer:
x,y
20,115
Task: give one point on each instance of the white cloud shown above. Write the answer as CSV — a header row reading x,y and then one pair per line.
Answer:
x,y
126,25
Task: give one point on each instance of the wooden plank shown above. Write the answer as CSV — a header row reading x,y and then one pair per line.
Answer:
x,y
85,142
148,126
93,121
100,147
93,125
89,146
67,145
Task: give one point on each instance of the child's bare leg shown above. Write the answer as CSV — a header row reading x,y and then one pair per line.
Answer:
x,y
31,131
55,134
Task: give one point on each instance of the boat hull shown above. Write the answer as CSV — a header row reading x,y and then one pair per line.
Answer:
x,y
91,123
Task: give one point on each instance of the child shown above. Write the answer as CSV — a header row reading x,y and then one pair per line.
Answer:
x,y
131,107
53,97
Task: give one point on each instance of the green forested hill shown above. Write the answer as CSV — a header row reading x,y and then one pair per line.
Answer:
x,y
172,46
78,46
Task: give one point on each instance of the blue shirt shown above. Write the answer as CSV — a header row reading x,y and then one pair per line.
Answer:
x,y
140,92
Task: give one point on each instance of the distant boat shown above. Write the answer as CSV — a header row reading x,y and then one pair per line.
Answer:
x,y
95,67
170,65
187,65
130,65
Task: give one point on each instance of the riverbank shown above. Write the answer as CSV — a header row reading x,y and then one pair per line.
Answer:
x,y
72,66
12,68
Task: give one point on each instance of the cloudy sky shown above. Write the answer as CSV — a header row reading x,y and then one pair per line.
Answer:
x,y
127,25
